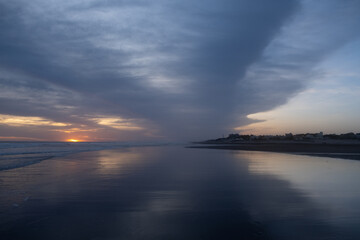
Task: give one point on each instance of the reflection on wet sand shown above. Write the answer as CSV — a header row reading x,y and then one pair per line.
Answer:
x,y
111,162
328,181
61,179
174,193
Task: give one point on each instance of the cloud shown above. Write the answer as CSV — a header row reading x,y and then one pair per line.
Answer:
x,y
118,123
178,69
32,121
291,60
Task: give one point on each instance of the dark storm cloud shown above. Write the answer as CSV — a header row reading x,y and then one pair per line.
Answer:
x,y
290,61
179,65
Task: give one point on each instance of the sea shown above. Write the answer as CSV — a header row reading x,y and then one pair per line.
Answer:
x,y
20,154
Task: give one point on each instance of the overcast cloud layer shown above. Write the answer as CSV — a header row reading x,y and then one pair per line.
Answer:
x,y
130,70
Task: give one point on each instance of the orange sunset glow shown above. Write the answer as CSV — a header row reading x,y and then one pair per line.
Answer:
x,y
73,140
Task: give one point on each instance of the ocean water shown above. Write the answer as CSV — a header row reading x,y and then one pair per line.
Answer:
x,y
20,154
172,192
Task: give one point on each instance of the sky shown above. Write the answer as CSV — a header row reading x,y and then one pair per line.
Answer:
x,y
136,70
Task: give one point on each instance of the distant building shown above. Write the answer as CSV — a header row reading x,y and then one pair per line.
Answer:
x,y
309,136
289,136
252,137
320,135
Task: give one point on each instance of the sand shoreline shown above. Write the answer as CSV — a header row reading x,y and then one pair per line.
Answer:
x,y
176,193
345,151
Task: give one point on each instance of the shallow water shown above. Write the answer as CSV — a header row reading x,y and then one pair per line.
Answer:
x,y
20,154
180,193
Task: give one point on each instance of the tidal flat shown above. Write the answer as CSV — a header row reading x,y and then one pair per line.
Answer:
x,y
172,192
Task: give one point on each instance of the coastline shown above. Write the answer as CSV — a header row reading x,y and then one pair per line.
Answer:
x,y
334,150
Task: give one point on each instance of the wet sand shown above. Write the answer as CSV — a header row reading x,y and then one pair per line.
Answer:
x,y
346,151
181,193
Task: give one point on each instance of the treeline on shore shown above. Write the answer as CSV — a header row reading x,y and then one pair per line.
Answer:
x,y
235,137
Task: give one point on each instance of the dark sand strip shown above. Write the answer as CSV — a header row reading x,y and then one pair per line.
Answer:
x,y
345,151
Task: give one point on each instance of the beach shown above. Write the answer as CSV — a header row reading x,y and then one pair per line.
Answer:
x,y
342,149
172,192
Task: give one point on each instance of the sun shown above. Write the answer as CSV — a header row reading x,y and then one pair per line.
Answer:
x,y
72,140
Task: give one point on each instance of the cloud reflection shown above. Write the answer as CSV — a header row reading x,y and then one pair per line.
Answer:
x,y
118,162
328,182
